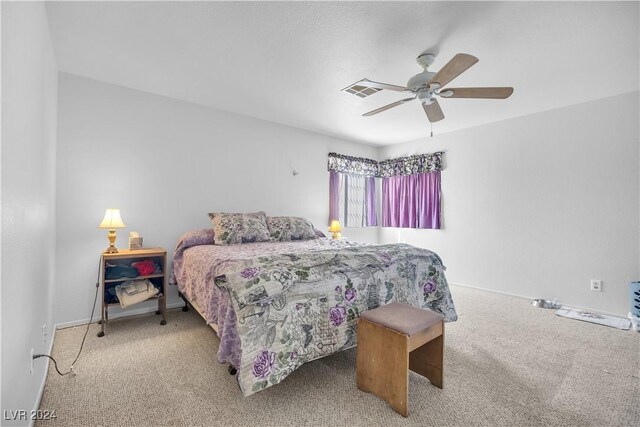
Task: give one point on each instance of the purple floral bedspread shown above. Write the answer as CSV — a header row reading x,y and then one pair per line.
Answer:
x,y
197,261
299,301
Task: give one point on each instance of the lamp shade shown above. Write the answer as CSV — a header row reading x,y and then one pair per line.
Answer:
x,y
112,220
335,226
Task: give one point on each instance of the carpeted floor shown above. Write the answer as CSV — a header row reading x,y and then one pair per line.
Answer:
x,y
506,363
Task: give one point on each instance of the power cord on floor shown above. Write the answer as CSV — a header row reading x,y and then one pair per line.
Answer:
x,y
93,309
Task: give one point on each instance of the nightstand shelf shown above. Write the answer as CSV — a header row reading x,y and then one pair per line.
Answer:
x,y
124,279
126,258
152,298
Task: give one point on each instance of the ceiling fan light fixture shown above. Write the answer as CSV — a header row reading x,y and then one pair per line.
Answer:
x,y
420,80
425,94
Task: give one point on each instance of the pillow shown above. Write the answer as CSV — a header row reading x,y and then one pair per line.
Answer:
x,y
195,238
187,240
287,228
234,228
319,233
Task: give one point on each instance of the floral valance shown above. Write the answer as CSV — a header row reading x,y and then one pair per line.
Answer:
x,y
420,163
352,165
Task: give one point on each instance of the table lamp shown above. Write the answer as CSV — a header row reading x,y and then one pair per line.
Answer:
x,y
112,221
335,229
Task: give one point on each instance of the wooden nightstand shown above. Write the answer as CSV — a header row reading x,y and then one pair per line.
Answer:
x,y
126,258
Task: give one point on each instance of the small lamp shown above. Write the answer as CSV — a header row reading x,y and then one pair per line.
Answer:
x,y
112,221
335,228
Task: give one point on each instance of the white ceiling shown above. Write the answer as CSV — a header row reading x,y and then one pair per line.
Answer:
x,y
286,62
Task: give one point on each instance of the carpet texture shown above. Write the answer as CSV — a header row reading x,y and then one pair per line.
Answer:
x,y
506,363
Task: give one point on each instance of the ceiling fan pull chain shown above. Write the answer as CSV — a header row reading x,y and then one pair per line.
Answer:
x,y
431,129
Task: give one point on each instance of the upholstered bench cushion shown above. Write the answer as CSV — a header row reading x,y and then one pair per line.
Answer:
x,y
402,318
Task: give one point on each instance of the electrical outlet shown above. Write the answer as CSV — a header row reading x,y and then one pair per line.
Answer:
x,y
596,285
31,362
44,333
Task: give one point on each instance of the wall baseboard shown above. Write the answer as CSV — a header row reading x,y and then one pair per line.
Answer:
x,y
128,313
567,305
464,285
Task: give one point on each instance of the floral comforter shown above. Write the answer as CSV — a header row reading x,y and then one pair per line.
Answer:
x,y
280,305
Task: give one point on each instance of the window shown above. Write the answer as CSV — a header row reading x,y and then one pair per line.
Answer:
x,y
352,190
410,191
353,199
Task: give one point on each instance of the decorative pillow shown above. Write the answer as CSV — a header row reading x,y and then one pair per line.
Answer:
x,y
234,228
287,228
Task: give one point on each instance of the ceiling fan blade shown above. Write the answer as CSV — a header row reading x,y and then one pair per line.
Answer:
x,y
434,112
388,106
452,69
478,92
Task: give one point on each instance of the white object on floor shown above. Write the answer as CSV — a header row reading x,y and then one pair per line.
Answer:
x,y
600,319
545,303
635,321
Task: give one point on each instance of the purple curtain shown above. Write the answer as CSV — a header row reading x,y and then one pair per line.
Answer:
x,y
411,201
334,196
428,200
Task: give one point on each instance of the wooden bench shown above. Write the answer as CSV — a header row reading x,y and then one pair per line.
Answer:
x,y
393,339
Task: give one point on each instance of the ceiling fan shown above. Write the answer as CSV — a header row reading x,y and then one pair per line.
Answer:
x,y
427,85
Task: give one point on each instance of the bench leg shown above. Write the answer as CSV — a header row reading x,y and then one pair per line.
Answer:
x,y
428,360
382,365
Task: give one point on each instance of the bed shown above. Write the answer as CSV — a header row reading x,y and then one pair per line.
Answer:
x,y
278,305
